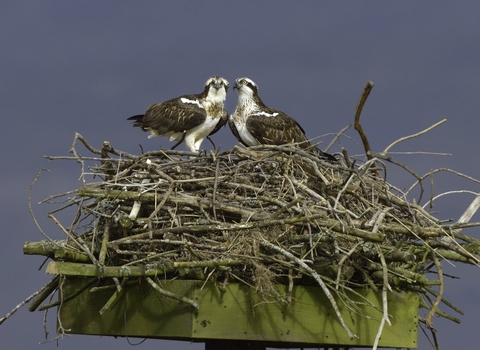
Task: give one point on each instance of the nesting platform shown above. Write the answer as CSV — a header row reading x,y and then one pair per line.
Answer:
x,y
238,313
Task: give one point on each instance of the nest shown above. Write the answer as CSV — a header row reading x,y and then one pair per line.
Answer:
x,y
259,216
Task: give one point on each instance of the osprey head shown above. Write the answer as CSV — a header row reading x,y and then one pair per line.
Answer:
x,y
246,88
216,88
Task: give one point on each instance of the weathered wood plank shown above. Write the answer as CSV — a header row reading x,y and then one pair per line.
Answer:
x,y
239,313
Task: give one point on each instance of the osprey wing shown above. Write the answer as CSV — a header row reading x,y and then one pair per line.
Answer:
x,y
273,127
176,115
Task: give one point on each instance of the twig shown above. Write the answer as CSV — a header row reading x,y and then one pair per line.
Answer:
x,y
421,178
342,261
290,286
422,152
447,193
308,190
30,209
162,202
357,126
115,296
385,289
106,237
48,289
434,307
438,312
210,263
137,204
215,184
413,135
16,308
405,167
285,207
172,295
470,211
68,297
60,328
78,240
337,136
446,302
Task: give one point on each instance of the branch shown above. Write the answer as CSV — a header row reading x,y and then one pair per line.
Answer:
x,y
412,136
434,308
16,308
68,297
171,295
89,270
361,102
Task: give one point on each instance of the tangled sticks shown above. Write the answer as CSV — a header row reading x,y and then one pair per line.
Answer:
x,y
261,216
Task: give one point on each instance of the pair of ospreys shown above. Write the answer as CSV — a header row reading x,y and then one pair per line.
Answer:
x,y
191,118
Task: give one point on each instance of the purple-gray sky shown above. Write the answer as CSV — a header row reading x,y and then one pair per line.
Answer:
x,y
86,66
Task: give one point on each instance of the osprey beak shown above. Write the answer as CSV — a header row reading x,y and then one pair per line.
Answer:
x,y
236,86
217,86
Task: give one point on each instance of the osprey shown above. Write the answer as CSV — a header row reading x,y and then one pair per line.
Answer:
x,y
188,118
253,123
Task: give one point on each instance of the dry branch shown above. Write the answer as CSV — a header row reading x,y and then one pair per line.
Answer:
x,y
361,103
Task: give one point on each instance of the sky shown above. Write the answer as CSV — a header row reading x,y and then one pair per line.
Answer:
x,y
87,66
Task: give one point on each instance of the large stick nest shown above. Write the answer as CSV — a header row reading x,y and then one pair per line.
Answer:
x,y
259,216
263,215
162,209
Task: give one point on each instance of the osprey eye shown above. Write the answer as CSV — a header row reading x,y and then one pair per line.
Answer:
x,y
244,82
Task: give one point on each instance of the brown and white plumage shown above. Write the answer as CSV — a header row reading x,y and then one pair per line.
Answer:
x,y
253,123
188,118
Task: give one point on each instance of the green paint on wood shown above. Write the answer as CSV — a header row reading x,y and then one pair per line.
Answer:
x,y
240,313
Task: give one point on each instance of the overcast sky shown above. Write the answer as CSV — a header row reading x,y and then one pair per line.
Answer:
x,y
86,66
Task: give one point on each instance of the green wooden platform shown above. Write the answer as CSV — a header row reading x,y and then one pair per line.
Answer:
x,y
238,313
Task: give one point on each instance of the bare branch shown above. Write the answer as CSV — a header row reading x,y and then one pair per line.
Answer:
x,y
414,135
